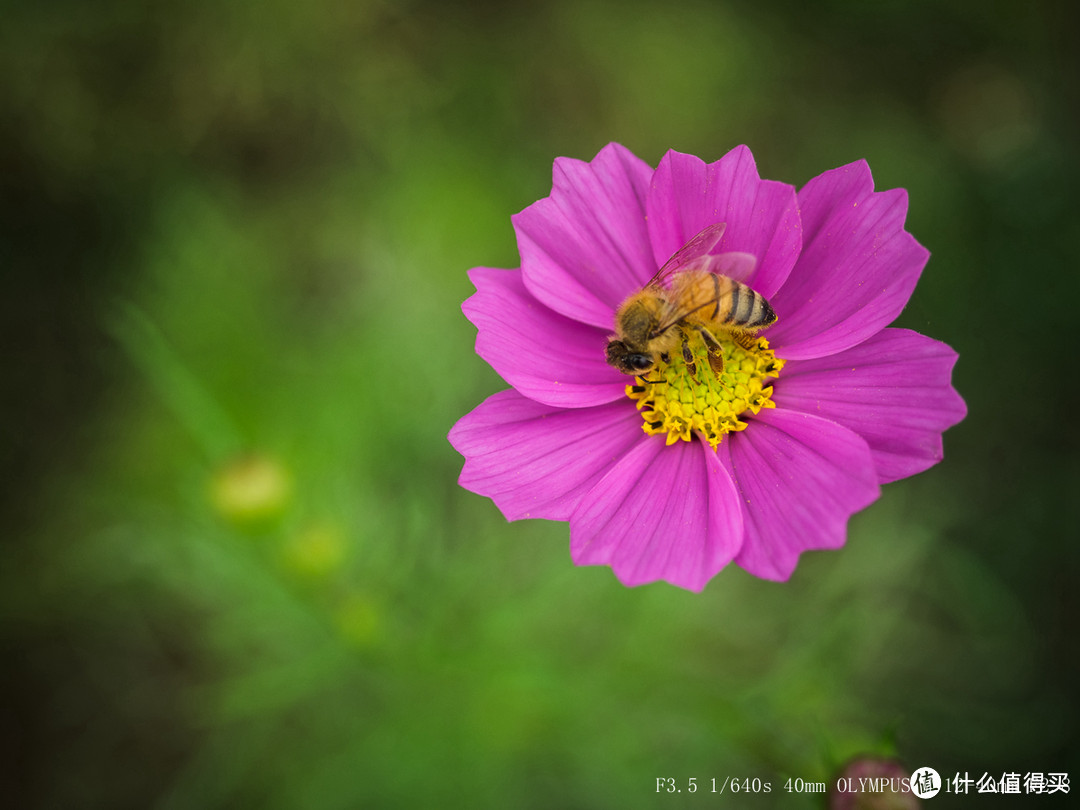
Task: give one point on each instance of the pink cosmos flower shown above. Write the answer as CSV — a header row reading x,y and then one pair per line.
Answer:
x,y
806,439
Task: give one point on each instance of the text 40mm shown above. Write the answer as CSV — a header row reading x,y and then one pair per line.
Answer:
x,y
802,786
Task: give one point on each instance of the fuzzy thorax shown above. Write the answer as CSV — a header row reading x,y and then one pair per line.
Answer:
x,y
679,400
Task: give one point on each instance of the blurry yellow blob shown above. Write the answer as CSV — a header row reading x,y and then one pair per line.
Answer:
x,y
251,492
988,112
359,619
314,552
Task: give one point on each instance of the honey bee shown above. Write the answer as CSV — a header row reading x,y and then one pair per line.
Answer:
x,y
692,292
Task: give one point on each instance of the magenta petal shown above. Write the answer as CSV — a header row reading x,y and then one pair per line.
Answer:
x,y
800,478
857,269
894,390
544,355
536,461
585,247
669,513
762,216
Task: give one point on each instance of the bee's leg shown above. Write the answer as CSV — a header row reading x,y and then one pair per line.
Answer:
x,y
688,357
716,351
748,340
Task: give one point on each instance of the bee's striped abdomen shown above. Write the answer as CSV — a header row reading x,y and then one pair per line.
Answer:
x,y
712,299
725,301
747,308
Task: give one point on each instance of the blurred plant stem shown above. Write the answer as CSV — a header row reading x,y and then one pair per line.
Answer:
x,y
180,390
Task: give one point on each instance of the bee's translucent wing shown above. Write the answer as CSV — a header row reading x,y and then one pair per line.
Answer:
x,y
733,264
736,265
696,249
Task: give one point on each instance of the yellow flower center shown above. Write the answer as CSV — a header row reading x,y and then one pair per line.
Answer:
x,y
678,399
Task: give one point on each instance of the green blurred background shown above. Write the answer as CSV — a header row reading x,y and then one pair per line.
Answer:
x,y
238,568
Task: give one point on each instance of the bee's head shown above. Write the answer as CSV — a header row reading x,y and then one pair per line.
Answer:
x,y
627,361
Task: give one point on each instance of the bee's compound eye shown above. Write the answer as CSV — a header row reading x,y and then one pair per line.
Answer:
x,y
640,362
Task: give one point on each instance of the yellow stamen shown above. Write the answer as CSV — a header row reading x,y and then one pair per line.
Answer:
x,y
678,402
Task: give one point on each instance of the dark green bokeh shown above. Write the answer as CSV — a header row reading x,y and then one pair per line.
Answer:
x,y
239,569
